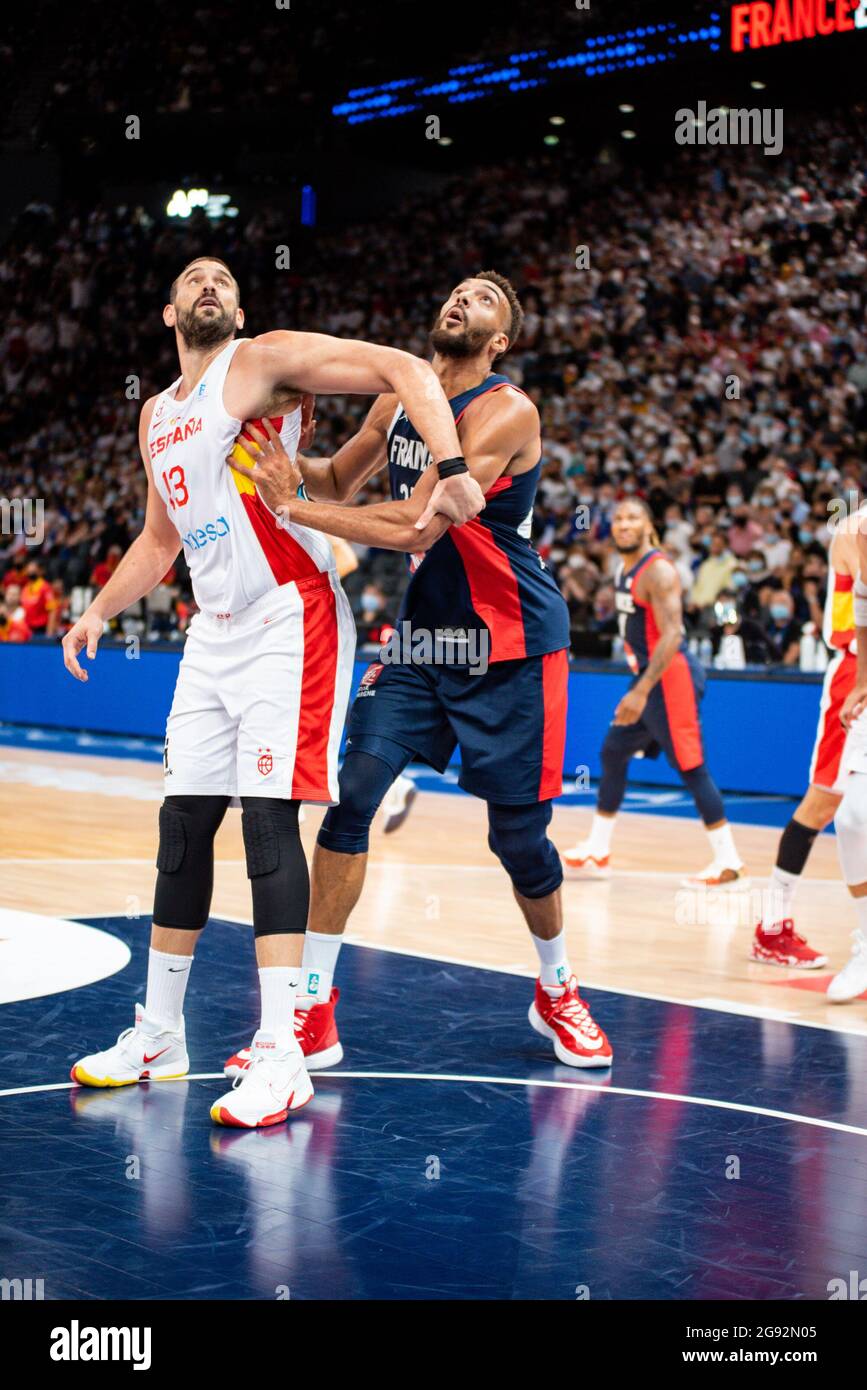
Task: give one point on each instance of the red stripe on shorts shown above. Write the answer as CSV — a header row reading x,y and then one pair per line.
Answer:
x,y
310,775
678,692
555,695
832,735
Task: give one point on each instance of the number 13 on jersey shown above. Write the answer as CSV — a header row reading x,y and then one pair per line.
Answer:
x,y
176,487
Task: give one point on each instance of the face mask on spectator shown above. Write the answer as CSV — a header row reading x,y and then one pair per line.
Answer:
x,y
369,603
765,501
756,566
805,537
779,612
735,499
806,475
558,556
575,562
739,580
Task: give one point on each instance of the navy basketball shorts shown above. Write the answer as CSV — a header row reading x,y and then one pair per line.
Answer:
x,y
670,722
509,723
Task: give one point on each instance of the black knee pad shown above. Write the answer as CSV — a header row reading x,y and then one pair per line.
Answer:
x,y
185,860
517,835
276,865
364,781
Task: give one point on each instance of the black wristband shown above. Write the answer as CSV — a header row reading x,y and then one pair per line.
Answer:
x,y
449,467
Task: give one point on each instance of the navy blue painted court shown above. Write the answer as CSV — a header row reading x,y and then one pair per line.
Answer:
x,y
449,1155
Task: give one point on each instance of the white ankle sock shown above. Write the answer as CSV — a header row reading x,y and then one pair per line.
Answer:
x,y
723,846
167,985
601,831
278,985
554,969
781,895
860,905
318,965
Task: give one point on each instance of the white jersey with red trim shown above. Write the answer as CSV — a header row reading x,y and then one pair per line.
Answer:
x,y
234,545
838,622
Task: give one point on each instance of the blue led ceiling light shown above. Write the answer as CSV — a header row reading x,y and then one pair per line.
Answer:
x,y
646,46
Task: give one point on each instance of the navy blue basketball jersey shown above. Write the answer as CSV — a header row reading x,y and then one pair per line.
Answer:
x,y
636,620
484,574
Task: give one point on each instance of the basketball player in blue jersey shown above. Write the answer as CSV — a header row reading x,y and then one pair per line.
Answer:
x,y
481,660
659,712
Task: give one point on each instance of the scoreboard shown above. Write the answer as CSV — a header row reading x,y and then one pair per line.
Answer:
x,y
761,24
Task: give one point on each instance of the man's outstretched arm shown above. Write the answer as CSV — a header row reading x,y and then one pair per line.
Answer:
x,y
317,363
338,478
494,435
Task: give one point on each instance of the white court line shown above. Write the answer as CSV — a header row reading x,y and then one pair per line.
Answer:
x,y
734,1006
458,1079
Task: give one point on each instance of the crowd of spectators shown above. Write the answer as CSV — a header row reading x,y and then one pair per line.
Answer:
x,y
711,358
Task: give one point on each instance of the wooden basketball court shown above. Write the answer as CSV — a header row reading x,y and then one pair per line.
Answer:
x,y
80,841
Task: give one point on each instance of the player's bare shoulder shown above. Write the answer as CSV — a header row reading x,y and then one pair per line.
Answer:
x,y
508,416
259,378
660,582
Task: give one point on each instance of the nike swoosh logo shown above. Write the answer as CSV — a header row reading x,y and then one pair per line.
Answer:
x,y
177,969
580,1037
155,1056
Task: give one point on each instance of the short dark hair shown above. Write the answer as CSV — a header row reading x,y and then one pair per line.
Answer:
x,y
174,288
516,322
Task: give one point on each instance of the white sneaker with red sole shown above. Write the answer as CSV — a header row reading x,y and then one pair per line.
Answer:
x,y
315,1033
273,1085
782,945
720,876
578,1041
579,863
146,1052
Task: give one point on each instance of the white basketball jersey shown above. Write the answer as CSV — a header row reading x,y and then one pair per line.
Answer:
x,y
838,626
233,545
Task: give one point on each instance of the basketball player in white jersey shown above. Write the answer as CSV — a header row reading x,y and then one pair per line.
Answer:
x,y
850,820
265,677
776,942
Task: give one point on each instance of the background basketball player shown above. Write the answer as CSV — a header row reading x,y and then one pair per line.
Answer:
x,y
660,709
776,942
850,820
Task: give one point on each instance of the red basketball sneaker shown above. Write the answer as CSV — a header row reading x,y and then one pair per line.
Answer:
x,y
783,946
316,1032
577,1040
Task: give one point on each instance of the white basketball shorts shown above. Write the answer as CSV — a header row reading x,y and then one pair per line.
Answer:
x,y
261,697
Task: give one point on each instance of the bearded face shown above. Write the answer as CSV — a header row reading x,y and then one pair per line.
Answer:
x,y
451,335
206,323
